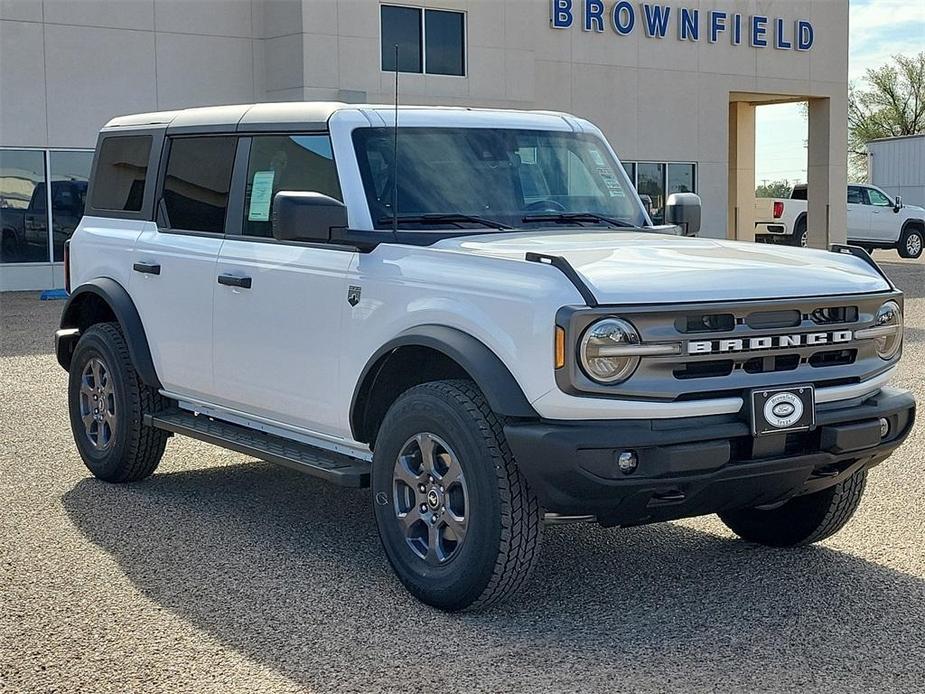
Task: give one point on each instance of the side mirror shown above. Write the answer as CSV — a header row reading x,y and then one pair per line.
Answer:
x,y
898,203
683,210
299,216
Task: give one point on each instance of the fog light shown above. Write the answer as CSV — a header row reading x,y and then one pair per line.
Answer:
x,y
884,427
627,462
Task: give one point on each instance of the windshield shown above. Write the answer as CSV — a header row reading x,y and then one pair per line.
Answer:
x,y
517,178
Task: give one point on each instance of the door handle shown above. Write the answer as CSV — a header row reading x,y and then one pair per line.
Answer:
x,y
147,268
235,281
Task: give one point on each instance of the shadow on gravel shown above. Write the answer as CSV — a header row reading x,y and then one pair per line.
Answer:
x,y
289,571
909,277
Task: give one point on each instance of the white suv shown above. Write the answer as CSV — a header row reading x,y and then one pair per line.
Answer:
x,y
471,313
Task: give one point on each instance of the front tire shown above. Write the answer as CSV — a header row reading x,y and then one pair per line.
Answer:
x,y
801,520
457,520
910,244
107,401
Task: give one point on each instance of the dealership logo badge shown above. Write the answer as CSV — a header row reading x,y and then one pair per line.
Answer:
x,y
783,410
353,295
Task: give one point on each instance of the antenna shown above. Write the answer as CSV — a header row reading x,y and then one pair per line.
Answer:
x,y
395,154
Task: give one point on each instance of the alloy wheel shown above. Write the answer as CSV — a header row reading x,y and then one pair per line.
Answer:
x,y
913,244
431,500
98,404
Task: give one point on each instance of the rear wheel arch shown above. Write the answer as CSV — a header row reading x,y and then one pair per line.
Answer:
x,y
430,353
104,300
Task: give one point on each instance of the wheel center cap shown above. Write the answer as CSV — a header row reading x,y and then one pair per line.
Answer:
x,y
433,498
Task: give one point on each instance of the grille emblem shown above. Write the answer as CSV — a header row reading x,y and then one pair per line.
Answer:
x,y
755,344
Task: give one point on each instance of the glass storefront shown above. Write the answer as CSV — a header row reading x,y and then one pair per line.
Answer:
x,y
655,181
25,196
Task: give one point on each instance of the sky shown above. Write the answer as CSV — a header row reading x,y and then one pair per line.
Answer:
x,y
878,29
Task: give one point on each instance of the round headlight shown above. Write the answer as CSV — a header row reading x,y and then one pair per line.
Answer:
x,y
602,347
890,316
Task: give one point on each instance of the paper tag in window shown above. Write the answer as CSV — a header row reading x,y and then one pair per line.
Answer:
x,y
261,197
612,182
596,156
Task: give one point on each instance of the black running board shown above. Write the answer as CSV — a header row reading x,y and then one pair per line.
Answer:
x,y
328,465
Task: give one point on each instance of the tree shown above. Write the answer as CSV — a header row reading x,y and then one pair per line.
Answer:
x,y
892,105
774,189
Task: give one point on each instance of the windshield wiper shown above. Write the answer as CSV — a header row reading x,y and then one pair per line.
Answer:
x,y
446,218
579,217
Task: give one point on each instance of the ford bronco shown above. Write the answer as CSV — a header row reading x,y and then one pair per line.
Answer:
x,y
470,312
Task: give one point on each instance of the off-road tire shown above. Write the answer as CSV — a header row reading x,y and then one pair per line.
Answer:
x,y
502,542
908,247
135,449
803,519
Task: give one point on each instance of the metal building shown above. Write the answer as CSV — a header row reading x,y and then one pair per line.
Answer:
x,y
897,165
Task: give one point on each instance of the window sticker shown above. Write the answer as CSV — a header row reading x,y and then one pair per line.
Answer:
x,y
261,196
596,156
612,182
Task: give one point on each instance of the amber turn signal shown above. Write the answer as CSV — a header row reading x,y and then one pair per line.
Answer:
x,y
560,347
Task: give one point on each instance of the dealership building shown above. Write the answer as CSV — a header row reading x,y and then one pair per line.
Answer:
x,y
673,85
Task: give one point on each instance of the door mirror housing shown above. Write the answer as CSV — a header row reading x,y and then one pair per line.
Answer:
x,y
306,216
683,210
898,203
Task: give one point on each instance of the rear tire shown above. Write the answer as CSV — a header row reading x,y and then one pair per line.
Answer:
x,y
910,243
803,519
107,402
799,234
457,520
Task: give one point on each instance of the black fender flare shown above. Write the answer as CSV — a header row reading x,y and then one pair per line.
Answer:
x,y
494,379
123,308
912,222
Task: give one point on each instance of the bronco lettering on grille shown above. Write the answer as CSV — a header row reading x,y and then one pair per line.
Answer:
x,y
750,344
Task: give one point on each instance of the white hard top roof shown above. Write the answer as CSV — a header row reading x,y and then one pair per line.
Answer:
x,y
310,115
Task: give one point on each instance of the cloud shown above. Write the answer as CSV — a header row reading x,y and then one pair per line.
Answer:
x,y
880,29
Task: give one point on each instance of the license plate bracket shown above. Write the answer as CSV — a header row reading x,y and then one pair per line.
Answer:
x,y
783,410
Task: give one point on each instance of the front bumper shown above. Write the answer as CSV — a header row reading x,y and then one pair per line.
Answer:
x,y
699,465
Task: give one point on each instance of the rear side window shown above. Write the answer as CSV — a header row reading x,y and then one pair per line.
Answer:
x,y
298,163
121,172
799,193
197,182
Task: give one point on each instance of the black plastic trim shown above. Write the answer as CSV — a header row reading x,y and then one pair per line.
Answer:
x,y
563,266
126,314
861,254
498,385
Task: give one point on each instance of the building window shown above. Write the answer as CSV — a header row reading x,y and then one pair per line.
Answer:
x,y
69,173
429,41
25,218
285,162
197,183
655,181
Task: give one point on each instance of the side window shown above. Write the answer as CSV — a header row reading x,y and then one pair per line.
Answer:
x,y
120,174
878,199
303,163
197,182
856,196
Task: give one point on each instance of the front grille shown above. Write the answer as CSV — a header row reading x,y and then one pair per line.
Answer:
x,y
731,348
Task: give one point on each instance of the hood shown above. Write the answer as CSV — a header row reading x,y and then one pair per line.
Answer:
x,y
644,267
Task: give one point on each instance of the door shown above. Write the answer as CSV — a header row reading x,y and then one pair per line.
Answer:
x,y
174,275
278,319
884,225
858,213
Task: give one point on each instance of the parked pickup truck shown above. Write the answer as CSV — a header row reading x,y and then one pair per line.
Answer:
x,y
24,230
478,321
875,220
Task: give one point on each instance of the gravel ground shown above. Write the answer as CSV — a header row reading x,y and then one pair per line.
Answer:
x,y
224,574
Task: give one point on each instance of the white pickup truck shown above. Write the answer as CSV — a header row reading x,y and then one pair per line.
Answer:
x,y
875,220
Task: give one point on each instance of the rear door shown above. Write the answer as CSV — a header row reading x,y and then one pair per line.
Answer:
x,y
278,321
174,273
858,213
